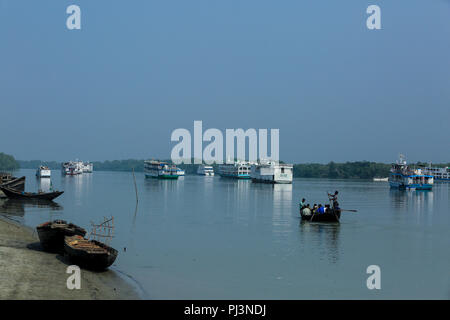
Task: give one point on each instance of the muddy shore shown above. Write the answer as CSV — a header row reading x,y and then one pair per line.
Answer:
x,y
27,272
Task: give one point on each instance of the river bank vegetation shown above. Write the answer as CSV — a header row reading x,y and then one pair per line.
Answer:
x,y
8,163
331,170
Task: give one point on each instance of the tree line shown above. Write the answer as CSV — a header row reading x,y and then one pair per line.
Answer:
x,y
8,163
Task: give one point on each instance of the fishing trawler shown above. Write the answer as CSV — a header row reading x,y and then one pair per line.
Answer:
x,y
43,172
439,174
403,177
272,172
237,170
160,170
205,170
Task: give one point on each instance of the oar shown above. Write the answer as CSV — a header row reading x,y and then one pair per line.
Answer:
x,y
348,210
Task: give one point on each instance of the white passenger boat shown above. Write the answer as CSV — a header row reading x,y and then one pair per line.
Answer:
x,y
404,177
205,170
43,172
87,167
72,168
272,172
180,172
380,179
160,170
237,170
439,174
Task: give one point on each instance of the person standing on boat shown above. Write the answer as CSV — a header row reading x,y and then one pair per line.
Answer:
x,y
302,204
333,198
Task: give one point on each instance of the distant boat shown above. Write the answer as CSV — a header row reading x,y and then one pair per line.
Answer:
x,y
403,177
160,170
51,234
271,172
43,172
380,179
237,170
180,172
205,170
15,194
439,174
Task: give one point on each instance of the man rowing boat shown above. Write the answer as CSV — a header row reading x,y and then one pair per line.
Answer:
x,y
333,199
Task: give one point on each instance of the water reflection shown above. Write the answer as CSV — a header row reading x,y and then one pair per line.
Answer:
x,y
17,207
419,200
44,184
323,237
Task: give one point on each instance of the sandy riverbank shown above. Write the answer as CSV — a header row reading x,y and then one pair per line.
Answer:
x,y
26,272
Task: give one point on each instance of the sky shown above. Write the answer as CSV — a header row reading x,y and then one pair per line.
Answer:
x,y
137,70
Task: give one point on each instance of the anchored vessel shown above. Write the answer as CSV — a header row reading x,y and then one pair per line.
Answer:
x,y
73,168
7,180
404,177
272,172
442,174
15,194
43,172
205,170
51,234
160,170
237,170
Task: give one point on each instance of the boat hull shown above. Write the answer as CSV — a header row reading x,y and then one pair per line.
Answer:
x,y
401,186
16,184
333,216
52,236
93,261
14,194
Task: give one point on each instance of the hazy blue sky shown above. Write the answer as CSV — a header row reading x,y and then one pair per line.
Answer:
x,y
137,70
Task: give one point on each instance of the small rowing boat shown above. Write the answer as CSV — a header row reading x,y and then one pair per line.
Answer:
x,y
51,234
331,215
15,194
91,254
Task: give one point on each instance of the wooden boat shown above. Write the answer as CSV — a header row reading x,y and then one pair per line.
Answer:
x,y
52,233
6,180
331,215
90,254
14,194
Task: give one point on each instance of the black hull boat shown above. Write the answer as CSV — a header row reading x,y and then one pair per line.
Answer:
x,y
12,183
51,234
14,194
90,254
331,215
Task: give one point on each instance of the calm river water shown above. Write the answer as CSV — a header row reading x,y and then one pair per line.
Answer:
x,y
214,238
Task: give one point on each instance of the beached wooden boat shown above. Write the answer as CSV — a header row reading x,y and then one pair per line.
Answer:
x,y
6,180
15,194
52,233
90,254
330,216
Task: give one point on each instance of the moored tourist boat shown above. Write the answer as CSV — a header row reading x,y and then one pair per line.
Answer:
x,y
90,254
439,174
403,177
43,172
272,172
51,234
236,170
160,170
15,194
205,170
